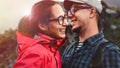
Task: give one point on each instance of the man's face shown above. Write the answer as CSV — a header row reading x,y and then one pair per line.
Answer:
x,y
56,28
79,15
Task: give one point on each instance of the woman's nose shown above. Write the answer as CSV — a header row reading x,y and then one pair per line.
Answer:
x,y
65,23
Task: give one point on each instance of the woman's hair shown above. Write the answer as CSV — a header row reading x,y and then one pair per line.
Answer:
x,y
24,27
41,13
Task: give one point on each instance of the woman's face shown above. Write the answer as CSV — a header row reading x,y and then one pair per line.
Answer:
x,y
55,29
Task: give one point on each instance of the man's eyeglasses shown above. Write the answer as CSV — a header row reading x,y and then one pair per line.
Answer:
x,y
60,19
75,8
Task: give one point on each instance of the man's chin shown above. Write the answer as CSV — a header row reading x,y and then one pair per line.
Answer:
x,y
76,29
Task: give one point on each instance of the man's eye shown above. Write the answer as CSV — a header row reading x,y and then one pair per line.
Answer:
x,y
75,9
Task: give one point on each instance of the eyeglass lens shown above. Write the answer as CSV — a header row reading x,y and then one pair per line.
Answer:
x,y
75,8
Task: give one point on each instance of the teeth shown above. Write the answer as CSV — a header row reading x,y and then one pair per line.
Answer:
x,y
62,30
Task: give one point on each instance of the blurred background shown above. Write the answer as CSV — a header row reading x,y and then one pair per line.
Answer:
x,y
12,11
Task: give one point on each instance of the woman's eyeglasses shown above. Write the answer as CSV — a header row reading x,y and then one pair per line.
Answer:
x,y
61,19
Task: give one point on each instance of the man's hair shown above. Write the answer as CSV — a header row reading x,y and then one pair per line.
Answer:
x,y
41,13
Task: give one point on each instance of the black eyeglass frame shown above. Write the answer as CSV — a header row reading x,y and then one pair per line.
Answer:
x,y
60,19
75,8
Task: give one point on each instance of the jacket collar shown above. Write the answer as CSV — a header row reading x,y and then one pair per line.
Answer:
x,y
49,42
48,39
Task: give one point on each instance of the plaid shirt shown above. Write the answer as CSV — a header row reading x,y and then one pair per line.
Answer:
x,y
79,56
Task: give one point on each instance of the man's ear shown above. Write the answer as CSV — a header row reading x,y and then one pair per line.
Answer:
x,y
42,27
92,12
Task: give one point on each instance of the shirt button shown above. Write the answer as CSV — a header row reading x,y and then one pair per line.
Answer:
x,y
79,46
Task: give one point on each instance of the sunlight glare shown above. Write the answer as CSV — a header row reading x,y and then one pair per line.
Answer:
x,y
26,12
61,0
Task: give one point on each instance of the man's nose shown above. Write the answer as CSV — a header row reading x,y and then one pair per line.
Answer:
x,y
69,14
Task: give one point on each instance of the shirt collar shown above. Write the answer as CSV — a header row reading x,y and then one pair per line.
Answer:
x,y
50,42
94,39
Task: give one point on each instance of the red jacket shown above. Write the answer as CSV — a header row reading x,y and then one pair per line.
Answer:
x,y
38,53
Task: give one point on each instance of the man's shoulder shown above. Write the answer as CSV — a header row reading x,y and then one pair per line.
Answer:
x,y
110,45
105,49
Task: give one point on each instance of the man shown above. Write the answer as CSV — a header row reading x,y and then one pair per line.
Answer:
x,y
47,21
91,49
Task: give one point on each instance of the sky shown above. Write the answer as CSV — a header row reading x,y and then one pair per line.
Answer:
x,y
11,11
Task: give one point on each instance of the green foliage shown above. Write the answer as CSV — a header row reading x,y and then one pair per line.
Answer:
x,y
7,48
113,33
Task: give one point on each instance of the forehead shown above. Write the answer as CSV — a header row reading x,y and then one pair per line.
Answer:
x,y
56,11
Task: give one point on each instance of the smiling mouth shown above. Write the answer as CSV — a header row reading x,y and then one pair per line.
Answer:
x,y
74,20
62,31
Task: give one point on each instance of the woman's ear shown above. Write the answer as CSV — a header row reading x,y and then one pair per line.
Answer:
x,y
92,12
42,27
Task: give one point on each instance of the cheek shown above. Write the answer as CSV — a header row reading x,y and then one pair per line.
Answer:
x,y
82,18
82,15
55,32
54,28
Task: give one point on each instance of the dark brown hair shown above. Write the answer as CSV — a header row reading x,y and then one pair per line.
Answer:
x,y
41,13
24,27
